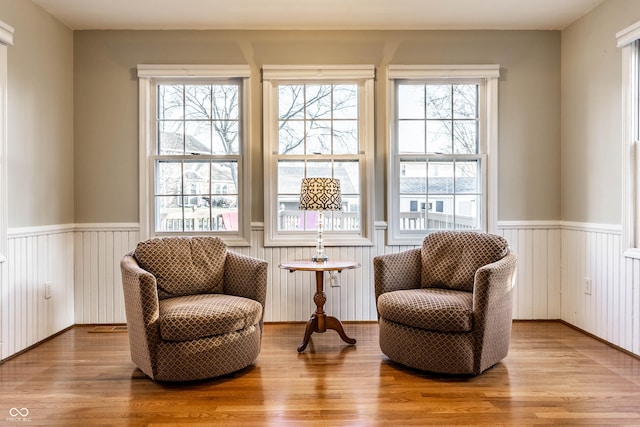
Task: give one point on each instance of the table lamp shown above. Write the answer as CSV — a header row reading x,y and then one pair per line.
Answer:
x,y
320,194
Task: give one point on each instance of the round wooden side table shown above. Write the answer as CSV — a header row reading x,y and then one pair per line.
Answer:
x,y
319,321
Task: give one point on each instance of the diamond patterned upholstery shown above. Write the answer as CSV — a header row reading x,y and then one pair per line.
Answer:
x,y
446,307
194,310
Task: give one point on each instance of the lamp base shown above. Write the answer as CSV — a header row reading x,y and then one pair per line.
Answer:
x,y
319,258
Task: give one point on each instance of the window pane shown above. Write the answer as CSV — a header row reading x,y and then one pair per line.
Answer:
x,y
290,176
438,101
465,101
196,179
318,170
439,136
224,178
411,102
345,137
468,177
290,218
170,102
440,177
169,213
290,102
224,212
413,177
349,218
198,137
319,137
318,102
411,136
291,137
465,137
226,102
225,137
168,178
348,172
413,212
170,138
467,212
440,216
345,102
197,100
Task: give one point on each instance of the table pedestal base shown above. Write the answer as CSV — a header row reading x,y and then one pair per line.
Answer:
x,y
321,324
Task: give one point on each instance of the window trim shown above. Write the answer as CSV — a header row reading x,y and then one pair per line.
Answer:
x,y
629,40
489,74
6,39
148,76
272,75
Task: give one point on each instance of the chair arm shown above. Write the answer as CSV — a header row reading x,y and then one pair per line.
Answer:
x,y
493,284
245,276
393,272
142,310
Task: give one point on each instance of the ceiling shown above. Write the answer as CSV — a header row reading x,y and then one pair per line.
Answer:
x,y
318,14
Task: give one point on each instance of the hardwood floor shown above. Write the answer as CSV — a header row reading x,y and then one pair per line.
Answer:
x,y
554,375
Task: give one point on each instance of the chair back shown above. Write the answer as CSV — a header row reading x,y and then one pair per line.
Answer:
x,y
184,265
450,259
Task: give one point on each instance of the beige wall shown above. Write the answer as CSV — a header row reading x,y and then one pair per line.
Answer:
x,y
40,117
591,183
106,115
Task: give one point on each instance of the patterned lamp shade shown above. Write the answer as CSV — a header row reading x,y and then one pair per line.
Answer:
x,y
320,194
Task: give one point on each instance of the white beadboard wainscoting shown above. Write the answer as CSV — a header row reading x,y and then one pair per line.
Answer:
x,y
82,262
29,313
98,249
611,311
98,295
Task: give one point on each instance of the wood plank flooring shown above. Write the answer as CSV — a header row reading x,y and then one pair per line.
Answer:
x,y
554,375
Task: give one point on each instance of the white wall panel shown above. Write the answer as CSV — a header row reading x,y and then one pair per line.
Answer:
x,y
611,311
98,289
537,291
36,257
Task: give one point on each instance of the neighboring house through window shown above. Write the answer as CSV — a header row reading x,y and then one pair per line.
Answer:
x,y
318,122
629,41
194,170
443,150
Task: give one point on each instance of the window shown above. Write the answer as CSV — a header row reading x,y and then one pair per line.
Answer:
x,y
318,122
629,41
194,151
443,127
6,39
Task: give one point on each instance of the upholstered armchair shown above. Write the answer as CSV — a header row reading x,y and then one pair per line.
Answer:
x,y
447,307
194,310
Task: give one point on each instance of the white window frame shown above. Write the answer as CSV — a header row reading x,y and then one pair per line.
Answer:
x,y
149,76
488,76
273,75
6,39
629,40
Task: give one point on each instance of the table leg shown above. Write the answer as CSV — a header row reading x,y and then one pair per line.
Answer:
x,y
319,321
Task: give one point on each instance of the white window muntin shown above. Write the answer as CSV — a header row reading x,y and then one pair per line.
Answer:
x,y
362,76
